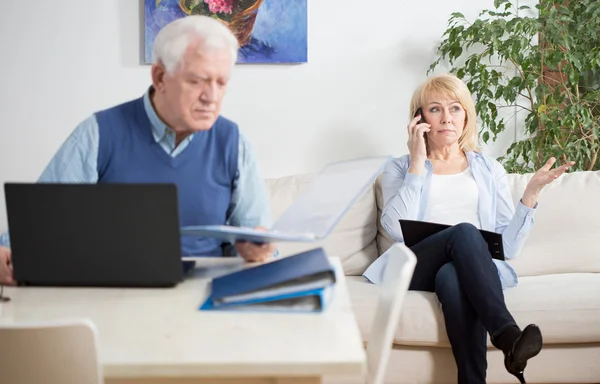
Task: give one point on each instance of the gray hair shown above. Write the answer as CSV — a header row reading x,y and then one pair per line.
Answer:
x,y
174,38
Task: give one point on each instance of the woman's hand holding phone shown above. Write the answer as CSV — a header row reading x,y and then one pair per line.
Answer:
x,y
416,143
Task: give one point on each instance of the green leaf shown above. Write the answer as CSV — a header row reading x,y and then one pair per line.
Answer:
x,y
574,77
200,8
191,4
486,137
515,82
456,51
224,16
457,15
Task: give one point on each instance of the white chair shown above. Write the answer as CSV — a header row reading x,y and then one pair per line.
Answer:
x,y
63,352
396,279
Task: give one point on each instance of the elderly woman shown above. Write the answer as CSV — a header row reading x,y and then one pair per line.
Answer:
x,y
446,179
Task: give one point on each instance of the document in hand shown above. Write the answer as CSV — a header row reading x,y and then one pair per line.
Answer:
x,y
298,283
414,231
316,211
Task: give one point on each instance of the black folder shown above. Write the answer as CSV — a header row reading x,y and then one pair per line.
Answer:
x,y
414,231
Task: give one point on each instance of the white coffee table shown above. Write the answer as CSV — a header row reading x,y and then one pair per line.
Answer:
x,y
160,336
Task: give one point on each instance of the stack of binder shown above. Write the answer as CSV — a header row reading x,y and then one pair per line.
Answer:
x,y
298,283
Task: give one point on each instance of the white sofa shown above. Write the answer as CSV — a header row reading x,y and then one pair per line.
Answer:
x,y
559,289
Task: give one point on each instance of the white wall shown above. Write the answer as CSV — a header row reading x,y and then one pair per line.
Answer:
x,y
64,59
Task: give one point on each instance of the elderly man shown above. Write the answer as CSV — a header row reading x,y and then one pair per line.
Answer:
x,y
174,133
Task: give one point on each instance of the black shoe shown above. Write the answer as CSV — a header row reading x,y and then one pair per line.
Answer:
x,y
528,345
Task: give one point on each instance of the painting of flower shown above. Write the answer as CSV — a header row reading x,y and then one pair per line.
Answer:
x,y
268,31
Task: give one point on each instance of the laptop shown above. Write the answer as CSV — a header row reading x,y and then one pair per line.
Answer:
x,y
316,211
104,235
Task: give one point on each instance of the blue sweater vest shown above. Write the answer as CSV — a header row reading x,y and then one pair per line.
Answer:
x,y
204,172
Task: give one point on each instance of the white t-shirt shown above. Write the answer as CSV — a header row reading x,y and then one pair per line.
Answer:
x,y
453,199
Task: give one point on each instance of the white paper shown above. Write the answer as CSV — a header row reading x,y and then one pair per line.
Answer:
x,y
316,211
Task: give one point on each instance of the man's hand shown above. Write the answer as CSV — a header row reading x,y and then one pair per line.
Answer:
x,y
6,272
252,252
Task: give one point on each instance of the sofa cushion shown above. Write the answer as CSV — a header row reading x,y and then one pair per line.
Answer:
x,y
565,306
564,238
352,240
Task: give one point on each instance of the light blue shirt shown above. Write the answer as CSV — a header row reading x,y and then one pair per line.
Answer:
x,y
405,196
76,162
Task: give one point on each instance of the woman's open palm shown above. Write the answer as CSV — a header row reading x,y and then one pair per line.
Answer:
x,y
545,175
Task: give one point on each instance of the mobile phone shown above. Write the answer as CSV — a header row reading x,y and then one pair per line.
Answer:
x,y
420,112
421,121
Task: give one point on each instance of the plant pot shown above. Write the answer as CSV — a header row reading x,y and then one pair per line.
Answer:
x,y
241,23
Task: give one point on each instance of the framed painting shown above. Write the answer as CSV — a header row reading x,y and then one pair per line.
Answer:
x,y
269,31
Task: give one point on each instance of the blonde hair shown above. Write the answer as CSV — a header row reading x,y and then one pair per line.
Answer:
x,y
450,86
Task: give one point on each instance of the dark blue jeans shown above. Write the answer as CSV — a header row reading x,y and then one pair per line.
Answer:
x,y
457,265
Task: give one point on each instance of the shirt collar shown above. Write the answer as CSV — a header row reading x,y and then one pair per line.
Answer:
x,y
477,157
159,128
470,154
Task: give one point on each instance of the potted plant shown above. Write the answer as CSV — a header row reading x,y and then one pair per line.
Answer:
x,y
238,15
544,62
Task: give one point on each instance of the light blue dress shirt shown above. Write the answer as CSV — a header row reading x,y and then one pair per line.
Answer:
x,y
76,162
405,196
